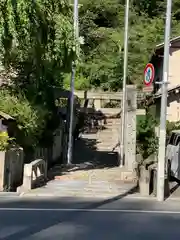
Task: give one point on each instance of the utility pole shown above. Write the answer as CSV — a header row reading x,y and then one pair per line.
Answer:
x,y
162,137
123,105
76,38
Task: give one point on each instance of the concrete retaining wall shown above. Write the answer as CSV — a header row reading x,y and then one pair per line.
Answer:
x,y
11,169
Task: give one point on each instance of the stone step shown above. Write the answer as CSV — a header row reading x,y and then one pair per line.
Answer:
x,y
109,127
104,142
94,187
105,145
102,139
108,150
82,194
107,142
109,133
112,126
107,139
114,131
111,120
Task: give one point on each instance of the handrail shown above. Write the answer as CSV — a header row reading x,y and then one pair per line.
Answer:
x,y
35,175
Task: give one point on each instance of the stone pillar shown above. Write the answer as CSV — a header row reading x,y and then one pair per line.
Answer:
x,y
97,103
130,135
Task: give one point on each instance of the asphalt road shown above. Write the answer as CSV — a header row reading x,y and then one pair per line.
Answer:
x,y
71,219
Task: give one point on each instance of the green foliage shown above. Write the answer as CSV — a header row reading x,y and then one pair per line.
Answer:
x,y
152,8
36,51
147,141
4,141
80,83
102,26
103,58
30,119
37,48
37,44
145,34
170,126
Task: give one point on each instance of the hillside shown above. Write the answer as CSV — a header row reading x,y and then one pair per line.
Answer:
x,y
37,37
102,25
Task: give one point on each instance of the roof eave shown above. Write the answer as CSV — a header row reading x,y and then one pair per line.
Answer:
x,y
173,40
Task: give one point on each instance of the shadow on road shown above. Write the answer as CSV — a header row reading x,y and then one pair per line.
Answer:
x,y
60,202
42,217
42,222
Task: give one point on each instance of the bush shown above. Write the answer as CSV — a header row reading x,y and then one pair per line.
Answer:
x,y
147,141
80,83
30,119
4,141
170,126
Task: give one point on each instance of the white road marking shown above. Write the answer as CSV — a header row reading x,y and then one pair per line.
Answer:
x,y
90,210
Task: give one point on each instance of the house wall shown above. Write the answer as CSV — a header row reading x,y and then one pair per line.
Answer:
x,y
174,65
173,105
173,108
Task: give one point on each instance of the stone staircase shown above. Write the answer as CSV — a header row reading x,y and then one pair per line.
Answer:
x,y
108,138
98,174
97,147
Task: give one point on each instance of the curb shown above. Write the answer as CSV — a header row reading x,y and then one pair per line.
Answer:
x,y
85,197
9,194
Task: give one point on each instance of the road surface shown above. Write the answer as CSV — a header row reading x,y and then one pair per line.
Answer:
x,y
67,219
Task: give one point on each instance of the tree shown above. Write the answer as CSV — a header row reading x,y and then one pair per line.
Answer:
x,y
147,141
102,60
145,34
102,25
153,8
37,42
37,48
30,120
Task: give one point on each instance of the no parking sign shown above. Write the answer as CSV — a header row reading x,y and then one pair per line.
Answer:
x,y
149,74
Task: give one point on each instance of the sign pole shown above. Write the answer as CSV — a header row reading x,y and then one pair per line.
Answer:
x,y
123,116
162,137
76,36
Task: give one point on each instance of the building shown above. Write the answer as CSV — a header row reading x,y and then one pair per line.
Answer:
x,y
173,100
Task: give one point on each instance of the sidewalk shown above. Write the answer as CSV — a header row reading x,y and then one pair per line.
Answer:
x,y
92,183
